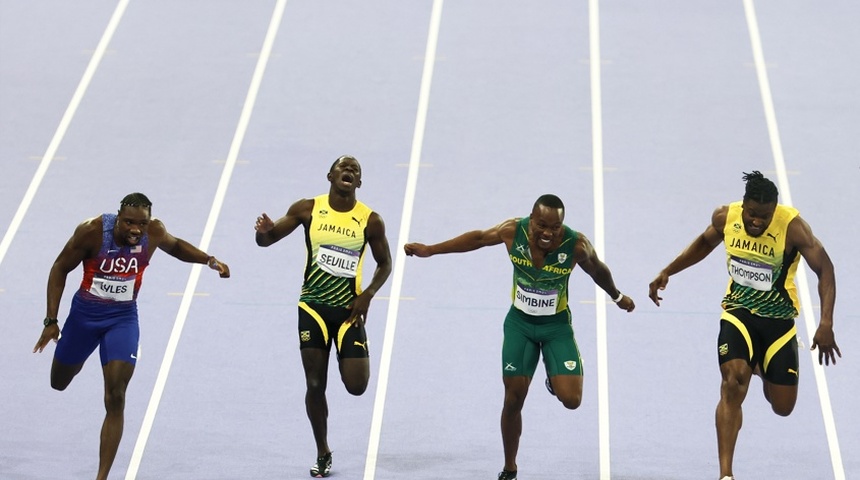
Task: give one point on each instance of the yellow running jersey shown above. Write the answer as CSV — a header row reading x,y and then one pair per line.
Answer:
x,y
761,272
335,244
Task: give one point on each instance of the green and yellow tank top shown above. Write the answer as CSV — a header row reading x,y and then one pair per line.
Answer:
x,y
541,291
335,243
761,272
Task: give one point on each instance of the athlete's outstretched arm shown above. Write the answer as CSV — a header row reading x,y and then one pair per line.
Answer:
x,y
467,242
700,248
591,264
182,250
801,237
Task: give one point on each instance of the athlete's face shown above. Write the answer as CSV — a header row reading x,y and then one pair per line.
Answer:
x,y
345,174
545,227
131,225
757,217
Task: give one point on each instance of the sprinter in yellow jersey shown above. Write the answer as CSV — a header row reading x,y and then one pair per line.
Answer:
x,y
543,252
764,242
333,306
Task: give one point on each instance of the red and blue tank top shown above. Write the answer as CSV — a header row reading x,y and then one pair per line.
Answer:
x,y
115,274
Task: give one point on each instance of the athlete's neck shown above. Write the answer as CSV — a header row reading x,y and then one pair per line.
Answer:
x,y
341,202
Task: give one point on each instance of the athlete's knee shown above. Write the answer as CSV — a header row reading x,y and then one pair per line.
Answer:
x,y
115,398
356,388
735,382
782,405
572,401
62,376
316,386
782,410
514,400
60,384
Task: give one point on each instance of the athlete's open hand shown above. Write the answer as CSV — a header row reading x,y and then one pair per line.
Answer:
x,y
656,285
417,249
264,223
825,341
51,332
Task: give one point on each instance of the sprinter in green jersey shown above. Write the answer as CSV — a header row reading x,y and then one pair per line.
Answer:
x,y
764,242
543,252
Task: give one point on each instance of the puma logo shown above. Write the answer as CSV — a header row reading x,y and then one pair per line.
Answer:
x,y
772,236
359,344
357,221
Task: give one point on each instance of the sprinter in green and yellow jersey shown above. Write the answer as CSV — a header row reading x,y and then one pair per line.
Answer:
x,y
764,242
333,306
543,252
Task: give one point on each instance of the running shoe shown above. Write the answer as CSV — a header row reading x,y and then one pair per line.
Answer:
x,y
727,478
549,388
322,468
507,475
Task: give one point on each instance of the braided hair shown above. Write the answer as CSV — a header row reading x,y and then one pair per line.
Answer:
x,y
135,200
759,189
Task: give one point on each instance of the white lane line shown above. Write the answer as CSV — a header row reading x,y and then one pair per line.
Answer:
x,y
217,203
599,231
802,283
403,235
60,133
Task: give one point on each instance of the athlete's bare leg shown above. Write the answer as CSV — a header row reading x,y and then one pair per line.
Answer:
x,y
117,374
782,398
568,389
355,374
729,416
516,389
315,363
62,374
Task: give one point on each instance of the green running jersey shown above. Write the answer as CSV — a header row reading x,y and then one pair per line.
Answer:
x,y
541,291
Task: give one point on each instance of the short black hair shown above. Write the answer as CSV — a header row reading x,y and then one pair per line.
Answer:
x,y
136,199
549,200
759,189
342,157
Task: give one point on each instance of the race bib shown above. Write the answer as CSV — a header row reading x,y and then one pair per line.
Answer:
x,y
535,301
751,274
338,261
113,288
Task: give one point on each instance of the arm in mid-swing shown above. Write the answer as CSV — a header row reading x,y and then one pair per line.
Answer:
x,y
700,248
182,250
587,259
270,231
84,243
467,242
378,242
800,236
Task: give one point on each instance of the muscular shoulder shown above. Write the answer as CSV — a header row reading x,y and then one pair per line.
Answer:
x,y
507,229
718,218
86,240
156,230
375,224
799,233
582,249
89,232
301,210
